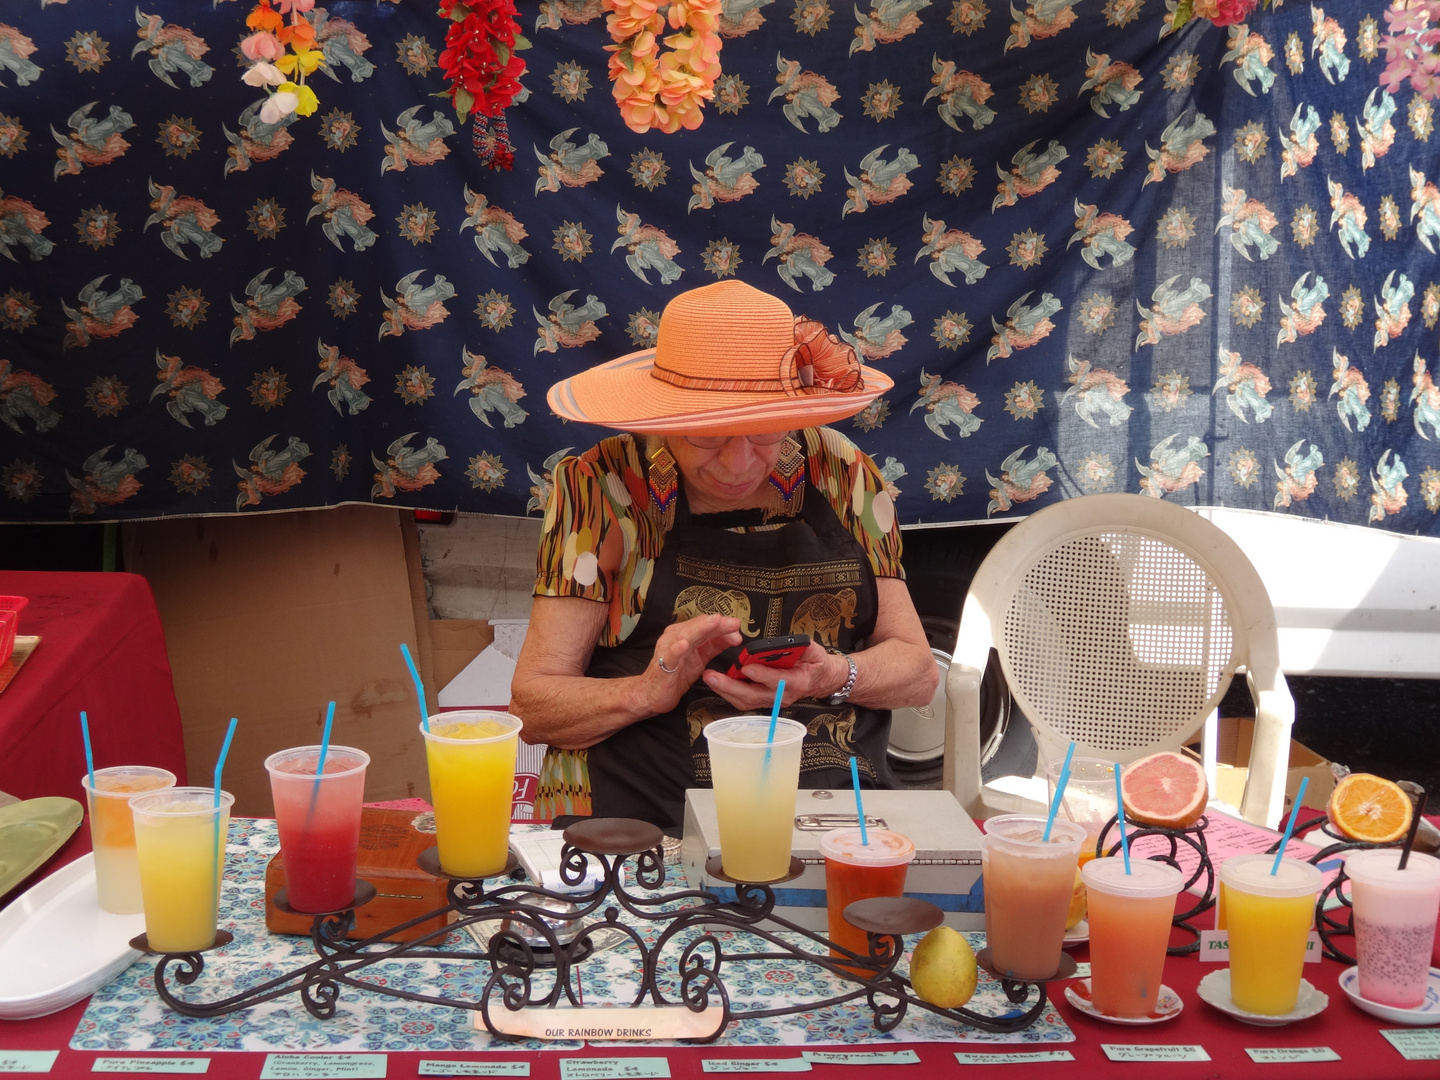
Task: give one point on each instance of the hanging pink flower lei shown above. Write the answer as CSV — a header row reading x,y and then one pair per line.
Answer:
x,y
663,90
479,57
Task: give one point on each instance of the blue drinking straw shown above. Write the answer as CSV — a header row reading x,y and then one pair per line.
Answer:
x,y
1120,818
859,806
1290,825
219,769
89,757
774,716
325,741
1059,792
419,686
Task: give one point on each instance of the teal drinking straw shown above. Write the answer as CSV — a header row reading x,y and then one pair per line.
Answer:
x,y
1120,818
324,749
859,806
419,686
774,716
89,757
1290,825
219,769
1059,792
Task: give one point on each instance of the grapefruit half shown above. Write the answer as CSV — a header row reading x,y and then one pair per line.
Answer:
x,y
1167,790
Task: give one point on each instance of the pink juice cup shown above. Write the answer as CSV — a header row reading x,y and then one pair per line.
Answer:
x,y
1130,920
1394,914
319,822
1028,885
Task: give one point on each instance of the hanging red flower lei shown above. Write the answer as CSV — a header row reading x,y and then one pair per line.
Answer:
x,y
479,57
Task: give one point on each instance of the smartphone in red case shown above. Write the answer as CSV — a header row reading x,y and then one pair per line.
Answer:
x,y
778,652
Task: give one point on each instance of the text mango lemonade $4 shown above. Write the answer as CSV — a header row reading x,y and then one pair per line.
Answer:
x,y
471,758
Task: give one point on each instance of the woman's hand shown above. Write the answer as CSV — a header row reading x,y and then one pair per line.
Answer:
x,y
682,653
817,674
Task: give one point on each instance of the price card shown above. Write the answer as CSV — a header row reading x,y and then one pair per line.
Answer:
x,y
474,1068
31,1061
639,1068
756,1065
1415,1044
866,1057
1148,1052
308,1066
151,1065
1014,1059
1215,947
1272,1055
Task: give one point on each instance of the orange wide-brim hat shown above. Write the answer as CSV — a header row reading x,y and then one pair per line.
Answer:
x,y
728,360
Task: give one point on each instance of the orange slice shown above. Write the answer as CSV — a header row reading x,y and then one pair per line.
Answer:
x,y
1165,789
1370,808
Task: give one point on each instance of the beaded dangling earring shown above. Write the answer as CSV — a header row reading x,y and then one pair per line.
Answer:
x,y
663,481
785,491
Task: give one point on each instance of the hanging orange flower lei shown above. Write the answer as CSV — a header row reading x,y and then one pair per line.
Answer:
x,y
665,90
272,66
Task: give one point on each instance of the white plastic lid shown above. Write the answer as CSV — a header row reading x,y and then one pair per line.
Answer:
x,y
1019,834
1251,874
1381,867
750,732
1147,879
885,848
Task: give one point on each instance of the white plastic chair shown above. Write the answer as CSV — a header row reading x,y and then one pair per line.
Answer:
x,y
1119,621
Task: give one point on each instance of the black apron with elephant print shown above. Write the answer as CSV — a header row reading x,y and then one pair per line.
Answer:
x,y
808,575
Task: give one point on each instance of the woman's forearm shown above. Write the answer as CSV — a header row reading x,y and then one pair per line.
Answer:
x,y
574,712
894,674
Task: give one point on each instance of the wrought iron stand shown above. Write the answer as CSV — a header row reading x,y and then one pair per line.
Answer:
x,y
1193,836
690,920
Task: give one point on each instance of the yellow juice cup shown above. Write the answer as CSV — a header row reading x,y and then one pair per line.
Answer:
x,y
1268,917
112,832
755,787
471,756
180,842
1130,919
1028,884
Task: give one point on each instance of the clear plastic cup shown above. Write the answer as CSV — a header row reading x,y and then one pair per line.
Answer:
x,y
1393,913
471,757
1130,920
1028,885
319,822
1089,798
180,842
1268,918
755,785
112,832
855,870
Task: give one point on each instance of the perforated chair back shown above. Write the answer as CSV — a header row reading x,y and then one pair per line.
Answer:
x,y
1119,621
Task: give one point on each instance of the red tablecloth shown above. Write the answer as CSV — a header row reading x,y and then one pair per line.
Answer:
x,y
102,650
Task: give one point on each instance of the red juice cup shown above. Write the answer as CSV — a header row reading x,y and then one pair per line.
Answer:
x,y
1130,919
319,822
859,871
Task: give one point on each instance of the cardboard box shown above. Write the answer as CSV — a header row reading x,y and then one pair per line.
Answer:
x,y
946,869
1233,754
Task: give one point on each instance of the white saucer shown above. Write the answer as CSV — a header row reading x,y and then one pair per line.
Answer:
x,y
1215,990
1078,934
1424,1015
1166,1008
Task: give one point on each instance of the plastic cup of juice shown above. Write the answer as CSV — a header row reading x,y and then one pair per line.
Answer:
x,y
112,831
1130,919
1028,885
1089,799
755,787
319,823
1393,913
471,756
1268,917
180,842
855,870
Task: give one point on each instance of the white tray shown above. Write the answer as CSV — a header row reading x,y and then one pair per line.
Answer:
x,y
57,946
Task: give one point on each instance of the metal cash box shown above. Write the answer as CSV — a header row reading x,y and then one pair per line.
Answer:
x,y
945,871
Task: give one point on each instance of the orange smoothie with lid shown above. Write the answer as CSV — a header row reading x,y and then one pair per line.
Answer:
x,y
112,831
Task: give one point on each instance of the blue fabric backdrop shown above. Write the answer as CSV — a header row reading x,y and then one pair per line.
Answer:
x,y
1093,256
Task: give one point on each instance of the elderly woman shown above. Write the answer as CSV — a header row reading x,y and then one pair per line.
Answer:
x,y
724,515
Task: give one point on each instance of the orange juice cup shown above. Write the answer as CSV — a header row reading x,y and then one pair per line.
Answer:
x,y
1268,917
471,759
1130,919
112,832
1028,885
860,871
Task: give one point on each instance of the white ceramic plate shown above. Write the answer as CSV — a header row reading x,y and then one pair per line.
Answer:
x,y
1166,1008
1215,989
1078,934
57,946
1422,1016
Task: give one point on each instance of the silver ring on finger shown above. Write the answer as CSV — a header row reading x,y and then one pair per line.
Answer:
x,y
667,670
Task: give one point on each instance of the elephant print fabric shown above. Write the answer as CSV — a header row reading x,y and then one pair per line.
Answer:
x,y
1058,226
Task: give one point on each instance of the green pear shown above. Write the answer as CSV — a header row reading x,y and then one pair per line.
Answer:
x,y
942,970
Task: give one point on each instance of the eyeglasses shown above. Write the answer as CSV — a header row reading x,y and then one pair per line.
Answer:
x,y
715,442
